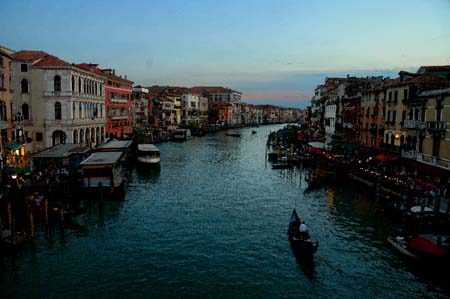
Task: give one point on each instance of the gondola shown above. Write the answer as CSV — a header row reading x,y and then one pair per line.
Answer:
x,y
300,242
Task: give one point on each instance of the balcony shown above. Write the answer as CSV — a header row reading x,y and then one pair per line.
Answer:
x,y
347,125
4,124
73,122
58,93
436,125
411,154
411,124
119,117
117,100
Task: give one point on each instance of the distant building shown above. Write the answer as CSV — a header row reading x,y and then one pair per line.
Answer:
x,y
139,107
222,94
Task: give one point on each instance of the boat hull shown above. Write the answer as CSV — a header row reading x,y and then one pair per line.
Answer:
x,y
304,247
148,160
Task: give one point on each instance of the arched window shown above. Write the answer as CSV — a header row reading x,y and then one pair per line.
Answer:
x,y
74,110
75,136
80,110
79,84
57,83
73,83
57,110
25,111
95,88
24,85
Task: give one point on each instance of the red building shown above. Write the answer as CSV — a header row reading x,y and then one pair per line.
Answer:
x,y
118,90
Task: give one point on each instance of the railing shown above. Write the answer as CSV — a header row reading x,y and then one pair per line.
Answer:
x,y
436,125
409,154
4,124
348,125
410,124
71,122
116,100
119,117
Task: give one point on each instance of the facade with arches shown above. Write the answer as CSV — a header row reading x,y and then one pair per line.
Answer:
x,y
118,93
60,103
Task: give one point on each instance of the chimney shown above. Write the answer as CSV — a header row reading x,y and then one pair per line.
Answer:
x,y
114,72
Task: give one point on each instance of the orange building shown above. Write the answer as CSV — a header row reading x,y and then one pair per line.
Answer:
x,y
118,90
220,113
372,116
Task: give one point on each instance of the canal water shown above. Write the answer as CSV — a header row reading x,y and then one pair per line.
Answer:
x,y
212,223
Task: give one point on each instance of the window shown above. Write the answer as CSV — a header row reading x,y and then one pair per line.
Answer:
x,y
2,83
390,96
79,84
25,111
57,110
57,83
73,83
2,111
24,85
39,136
24,68
395,96
394,116
405,94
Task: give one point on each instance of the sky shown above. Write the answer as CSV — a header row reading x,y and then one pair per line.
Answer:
x,y
275,52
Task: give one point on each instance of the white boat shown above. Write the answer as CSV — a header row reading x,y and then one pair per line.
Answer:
x,y
148,154
181,135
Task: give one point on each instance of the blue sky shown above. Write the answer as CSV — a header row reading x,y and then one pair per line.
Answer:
x,y
277,51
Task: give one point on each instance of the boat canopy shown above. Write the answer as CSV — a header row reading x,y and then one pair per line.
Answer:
x,y
147,147
116,145
101,158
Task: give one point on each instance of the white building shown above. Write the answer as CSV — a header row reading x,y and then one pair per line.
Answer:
x,y
190,109
55,102
330,120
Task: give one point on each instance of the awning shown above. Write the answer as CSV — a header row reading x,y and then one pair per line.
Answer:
x,y
13,146
386,157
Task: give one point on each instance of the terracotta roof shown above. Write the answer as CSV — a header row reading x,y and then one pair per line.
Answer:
x,y
420,79
39,58
87,67
50,60
26,55
211,89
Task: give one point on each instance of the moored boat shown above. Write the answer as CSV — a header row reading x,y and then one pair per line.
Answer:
x,y
300,240
148,154
104,170
181,135
427,248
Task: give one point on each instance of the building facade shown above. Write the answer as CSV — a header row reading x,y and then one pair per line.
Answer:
x,y
56,102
